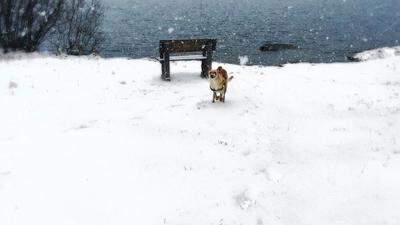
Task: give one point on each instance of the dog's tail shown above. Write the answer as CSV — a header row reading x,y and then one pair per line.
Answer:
x,y
230,78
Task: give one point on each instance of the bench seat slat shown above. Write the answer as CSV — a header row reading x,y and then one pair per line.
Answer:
x,y
184,58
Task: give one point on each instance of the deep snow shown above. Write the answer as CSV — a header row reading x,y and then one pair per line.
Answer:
x,y
90,141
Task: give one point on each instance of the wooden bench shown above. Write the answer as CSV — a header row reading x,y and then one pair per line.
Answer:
x,y
169,50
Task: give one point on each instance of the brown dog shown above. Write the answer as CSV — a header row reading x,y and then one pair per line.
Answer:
x,y
219,83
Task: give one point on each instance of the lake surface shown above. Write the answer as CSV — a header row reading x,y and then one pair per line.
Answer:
x,y
324,30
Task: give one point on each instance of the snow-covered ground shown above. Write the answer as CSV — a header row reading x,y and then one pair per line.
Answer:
x,y
86,141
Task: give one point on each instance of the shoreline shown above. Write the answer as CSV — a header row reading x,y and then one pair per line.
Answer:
x,y
379,53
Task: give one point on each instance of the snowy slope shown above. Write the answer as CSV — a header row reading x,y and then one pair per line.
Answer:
x,y
86,141
380,53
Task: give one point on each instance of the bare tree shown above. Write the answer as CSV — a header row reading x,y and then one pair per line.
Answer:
x,y
24,24
78,32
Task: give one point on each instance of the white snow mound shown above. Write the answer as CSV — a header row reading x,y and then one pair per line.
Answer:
x,y
380,53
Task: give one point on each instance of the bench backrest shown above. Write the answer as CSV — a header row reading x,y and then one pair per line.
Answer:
x,y
187,45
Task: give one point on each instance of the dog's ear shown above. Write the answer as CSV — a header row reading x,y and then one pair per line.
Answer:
x,y
219,68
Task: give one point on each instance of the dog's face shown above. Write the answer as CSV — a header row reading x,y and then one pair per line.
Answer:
x,y
212,74
219,73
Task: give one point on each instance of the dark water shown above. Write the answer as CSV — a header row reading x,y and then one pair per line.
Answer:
x,y
324,30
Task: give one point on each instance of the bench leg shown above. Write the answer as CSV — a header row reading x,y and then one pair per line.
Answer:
x,y
162,71
165,71
205,68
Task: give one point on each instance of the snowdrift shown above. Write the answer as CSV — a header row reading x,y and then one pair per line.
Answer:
x,y
89,141
380,53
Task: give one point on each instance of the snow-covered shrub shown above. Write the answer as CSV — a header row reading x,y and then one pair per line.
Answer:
x,y
243,60
78,32
24,24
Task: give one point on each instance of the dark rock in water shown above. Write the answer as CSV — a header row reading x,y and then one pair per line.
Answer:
x,y
273,47
353,59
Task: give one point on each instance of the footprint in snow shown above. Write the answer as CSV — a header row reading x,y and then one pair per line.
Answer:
x,y
3,180
202,104
209,103
243,200
12,85
84,125
176,105
5,173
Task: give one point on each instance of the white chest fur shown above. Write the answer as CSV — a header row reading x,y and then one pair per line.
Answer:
x,y
215,84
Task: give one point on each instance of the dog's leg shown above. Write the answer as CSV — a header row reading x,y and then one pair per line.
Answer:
x,y
214,96
223,94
